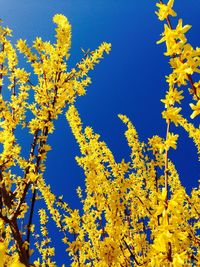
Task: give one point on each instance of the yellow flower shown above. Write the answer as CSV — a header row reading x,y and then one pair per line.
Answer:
x,y
156,143
172,37
178,259
172,113
196,109
60,19
172,96
165,10
171,141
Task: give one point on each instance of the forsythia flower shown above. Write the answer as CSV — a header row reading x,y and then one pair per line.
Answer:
x,y
156,143
172,96
165,10
172,113
61,20
171,141
172,37
179,259
196,109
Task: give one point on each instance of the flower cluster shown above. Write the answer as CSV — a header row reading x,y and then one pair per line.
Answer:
x,y
33,107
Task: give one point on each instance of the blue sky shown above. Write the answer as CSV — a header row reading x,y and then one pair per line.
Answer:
x,y
131,80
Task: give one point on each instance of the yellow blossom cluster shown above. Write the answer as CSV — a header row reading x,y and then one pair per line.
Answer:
x,y
34,106
184,61
124,202
138,213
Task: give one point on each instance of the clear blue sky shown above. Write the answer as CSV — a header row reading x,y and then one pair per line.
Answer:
x,y
131,80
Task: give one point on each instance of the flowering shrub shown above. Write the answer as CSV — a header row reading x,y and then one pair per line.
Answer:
x,y
135,213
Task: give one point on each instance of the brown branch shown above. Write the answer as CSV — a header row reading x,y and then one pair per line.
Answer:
x,y
143,204
5,197
166,165
30,83
32,150
126,261
21,201
193,86
1,69
38,161
33,145
132,255
30,220
169,252
20,244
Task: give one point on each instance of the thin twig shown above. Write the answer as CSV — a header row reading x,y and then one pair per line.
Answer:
x,y
30,220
